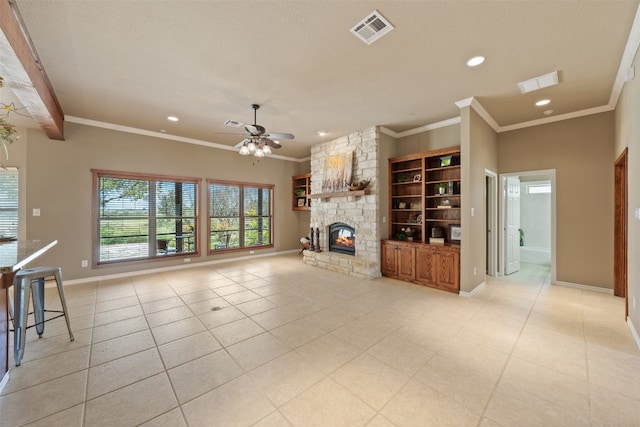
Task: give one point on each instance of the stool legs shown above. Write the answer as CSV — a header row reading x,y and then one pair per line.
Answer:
x,y
63,300
30,283
21,311
37,295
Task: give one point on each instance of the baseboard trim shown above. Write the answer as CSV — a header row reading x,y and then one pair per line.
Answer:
x,y
634,331
4,381
473,291
174,267
585,287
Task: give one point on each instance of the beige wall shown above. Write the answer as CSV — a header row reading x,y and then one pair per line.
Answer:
x,y
478,153
59,183
435,139
627,134
582,153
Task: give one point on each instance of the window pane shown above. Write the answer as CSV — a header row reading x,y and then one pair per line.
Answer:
x,y
144,218
240,216
225,200
8,202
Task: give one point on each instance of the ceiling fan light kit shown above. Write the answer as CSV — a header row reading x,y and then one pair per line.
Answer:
x,y
259,143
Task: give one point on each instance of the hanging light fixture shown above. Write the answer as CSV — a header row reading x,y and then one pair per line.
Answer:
x,y
255,146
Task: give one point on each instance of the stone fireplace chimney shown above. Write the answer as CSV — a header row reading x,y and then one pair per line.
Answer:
x,y
360,212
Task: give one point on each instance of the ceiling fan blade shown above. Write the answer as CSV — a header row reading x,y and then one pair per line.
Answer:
x,y
254,130
241,143
280,135
271,143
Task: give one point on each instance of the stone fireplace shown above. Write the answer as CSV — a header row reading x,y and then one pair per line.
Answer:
x,y
342,238
355,256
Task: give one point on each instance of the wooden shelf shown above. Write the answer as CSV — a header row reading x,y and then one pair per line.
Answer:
x,y
356,193
302,202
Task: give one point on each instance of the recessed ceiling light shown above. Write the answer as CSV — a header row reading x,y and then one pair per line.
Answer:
x,y
173,118
543,102
321,133
476,60
547,112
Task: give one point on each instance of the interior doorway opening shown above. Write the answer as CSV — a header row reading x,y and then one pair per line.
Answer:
x,y
528,218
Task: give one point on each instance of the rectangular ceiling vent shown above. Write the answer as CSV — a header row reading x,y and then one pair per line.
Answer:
x,y
536,83
233,123
372,27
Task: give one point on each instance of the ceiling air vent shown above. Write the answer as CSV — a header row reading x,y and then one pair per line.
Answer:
x,y
540,82
372,27
233,123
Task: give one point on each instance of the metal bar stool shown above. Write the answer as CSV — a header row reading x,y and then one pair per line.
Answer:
x,y
31,281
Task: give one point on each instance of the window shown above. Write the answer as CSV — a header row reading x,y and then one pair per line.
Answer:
x,y
9,202
143,216
539,188
240,215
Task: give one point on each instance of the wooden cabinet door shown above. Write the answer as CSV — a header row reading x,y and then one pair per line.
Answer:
x,y
406,262
425,265
447,271
389,256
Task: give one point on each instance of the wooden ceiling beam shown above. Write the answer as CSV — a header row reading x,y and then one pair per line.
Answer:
x,y
25,75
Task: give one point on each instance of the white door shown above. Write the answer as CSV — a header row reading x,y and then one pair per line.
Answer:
x,y
512,221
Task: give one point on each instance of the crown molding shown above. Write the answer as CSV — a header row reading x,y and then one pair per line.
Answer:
x,y
161,135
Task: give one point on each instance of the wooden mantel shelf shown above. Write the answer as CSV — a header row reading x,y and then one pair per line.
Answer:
x,y
356,193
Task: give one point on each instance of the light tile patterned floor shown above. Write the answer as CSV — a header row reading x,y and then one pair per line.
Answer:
x,y
276,343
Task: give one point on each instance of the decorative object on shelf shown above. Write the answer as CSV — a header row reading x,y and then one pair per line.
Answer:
x,y
419,219
437,232
301,202
408,231
317,239
402,205
444,204
401,236
299,192
442,187
415,206
404,178
450,187
361,185
455,233
337,173
417,177
445,161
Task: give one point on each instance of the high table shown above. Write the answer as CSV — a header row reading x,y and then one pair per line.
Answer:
x,y
13,256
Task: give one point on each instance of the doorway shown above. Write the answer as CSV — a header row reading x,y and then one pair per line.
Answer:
x,y
491,209
528,221
620,230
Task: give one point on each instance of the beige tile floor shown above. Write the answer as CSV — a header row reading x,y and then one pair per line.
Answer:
x,y
276,343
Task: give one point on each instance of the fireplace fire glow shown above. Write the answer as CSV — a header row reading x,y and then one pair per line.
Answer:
x,y
342,238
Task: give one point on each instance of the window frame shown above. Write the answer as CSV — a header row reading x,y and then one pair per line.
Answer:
x,y
153,178
242,185
10,204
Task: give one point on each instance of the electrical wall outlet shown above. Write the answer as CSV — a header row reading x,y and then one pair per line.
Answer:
x,y
84,263
187,260
252,252
36,212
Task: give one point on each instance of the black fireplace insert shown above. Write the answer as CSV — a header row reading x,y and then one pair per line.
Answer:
x,y
342,238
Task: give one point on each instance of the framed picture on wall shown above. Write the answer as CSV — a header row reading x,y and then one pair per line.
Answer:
x,y
455,233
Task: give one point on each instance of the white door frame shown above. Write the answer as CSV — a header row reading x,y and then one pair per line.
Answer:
x,y
550,174
491,198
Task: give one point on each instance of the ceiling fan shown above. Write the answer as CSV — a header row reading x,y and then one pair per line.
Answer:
x,y
259,141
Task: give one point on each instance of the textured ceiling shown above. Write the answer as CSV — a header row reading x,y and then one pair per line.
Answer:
x,y
133,63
